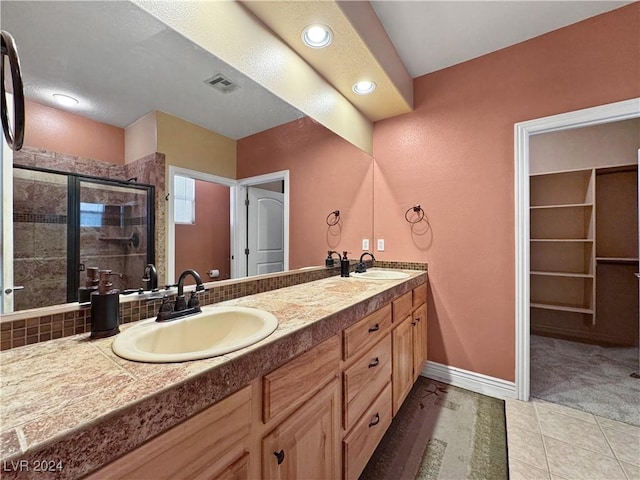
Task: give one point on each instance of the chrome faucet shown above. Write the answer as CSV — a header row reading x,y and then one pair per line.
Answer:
x,y
150,276
182,308
360,266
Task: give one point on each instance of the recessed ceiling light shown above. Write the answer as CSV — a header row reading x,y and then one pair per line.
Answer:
x,y
364,87
317,36
65,100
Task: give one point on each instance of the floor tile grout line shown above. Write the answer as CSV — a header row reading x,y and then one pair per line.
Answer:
x,y
613,451
544,446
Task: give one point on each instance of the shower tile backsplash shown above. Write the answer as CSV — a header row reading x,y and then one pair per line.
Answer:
x,y
25,331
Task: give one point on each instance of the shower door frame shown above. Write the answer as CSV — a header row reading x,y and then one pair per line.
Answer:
x,y
73,220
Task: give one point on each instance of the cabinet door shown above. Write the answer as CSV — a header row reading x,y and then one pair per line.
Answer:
x,y
205,446
306,445
402,361
419,339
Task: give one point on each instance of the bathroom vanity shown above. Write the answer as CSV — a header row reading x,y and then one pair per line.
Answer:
x,y
311,401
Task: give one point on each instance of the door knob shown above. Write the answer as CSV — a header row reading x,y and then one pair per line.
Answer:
x,y
637,275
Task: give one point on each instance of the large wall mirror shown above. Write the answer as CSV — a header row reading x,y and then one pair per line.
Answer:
x,y
165,105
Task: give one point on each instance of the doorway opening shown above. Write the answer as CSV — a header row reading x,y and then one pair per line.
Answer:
x,y
222,239
526,286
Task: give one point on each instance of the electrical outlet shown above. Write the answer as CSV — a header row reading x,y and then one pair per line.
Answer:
x,y
381,245
365,244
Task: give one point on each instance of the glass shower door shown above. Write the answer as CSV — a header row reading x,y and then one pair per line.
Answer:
x,y
114,231
40,230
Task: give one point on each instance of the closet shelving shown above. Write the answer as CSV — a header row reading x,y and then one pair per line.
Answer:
x,y
584,253
562,242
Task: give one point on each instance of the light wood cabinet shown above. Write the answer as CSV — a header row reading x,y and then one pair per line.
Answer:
x,y
364,379
211,444
366,332
402,362
419,324
305,445
363,439
288,386
319,416
409,347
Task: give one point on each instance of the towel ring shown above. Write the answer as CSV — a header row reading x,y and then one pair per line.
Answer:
x,y
336,219
417,209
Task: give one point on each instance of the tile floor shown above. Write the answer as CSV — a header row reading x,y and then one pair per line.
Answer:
x,y
554,442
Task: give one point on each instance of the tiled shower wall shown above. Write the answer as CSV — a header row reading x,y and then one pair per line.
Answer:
x,y
42,235
25,331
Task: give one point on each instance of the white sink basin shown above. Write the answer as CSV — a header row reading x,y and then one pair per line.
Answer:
x,y
381,275
215,331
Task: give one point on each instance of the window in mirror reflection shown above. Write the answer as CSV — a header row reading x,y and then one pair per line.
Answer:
x,y
91,214
185,200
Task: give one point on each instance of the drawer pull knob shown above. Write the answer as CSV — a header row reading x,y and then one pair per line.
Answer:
x,y
417,319
374,363
414,322
375,421
280,456
375,328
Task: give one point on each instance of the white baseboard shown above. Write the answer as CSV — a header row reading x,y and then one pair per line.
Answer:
x,y
476,382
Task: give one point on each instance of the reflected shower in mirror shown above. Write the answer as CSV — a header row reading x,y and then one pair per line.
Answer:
x,y
147,101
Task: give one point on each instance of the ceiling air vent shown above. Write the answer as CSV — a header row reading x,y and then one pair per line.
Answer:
x,y
221,83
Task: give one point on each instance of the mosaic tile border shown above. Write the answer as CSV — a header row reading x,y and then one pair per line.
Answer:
x,y
27,331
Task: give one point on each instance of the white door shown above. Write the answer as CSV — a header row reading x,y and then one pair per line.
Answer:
x,y
6,220
265,231
638,273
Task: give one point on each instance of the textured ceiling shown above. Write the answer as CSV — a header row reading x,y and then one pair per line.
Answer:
x,y
122,63
431,35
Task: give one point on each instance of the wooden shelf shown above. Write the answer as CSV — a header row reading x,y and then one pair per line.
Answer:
x,y
568,205
616,260
565,240
564,308
562,274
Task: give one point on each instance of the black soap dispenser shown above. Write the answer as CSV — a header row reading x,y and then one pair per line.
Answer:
x,y
105,307
91,285
344,265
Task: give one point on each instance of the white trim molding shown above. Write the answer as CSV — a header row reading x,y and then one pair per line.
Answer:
x,y
476,382
170,224
612,112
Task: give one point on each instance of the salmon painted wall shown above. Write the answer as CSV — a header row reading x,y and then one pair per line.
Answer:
x,y
454,155
63,132
205,245
327,173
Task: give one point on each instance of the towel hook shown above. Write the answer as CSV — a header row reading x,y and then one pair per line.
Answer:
x,y
416,209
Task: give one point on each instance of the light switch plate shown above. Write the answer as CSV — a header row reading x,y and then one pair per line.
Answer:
x,y
381,245
365,244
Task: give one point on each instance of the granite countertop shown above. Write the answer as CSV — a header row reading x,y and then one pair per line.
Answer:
x,y
74,403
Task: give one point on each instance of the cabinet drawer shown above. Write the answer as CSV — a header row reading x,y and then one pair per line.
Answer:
x,y
402,307
363,380
289,385
367,332
201,447
359,445
419,295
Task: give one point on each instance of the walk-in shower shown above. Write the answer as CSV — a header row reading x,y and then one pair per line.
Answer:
x,y
64,223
